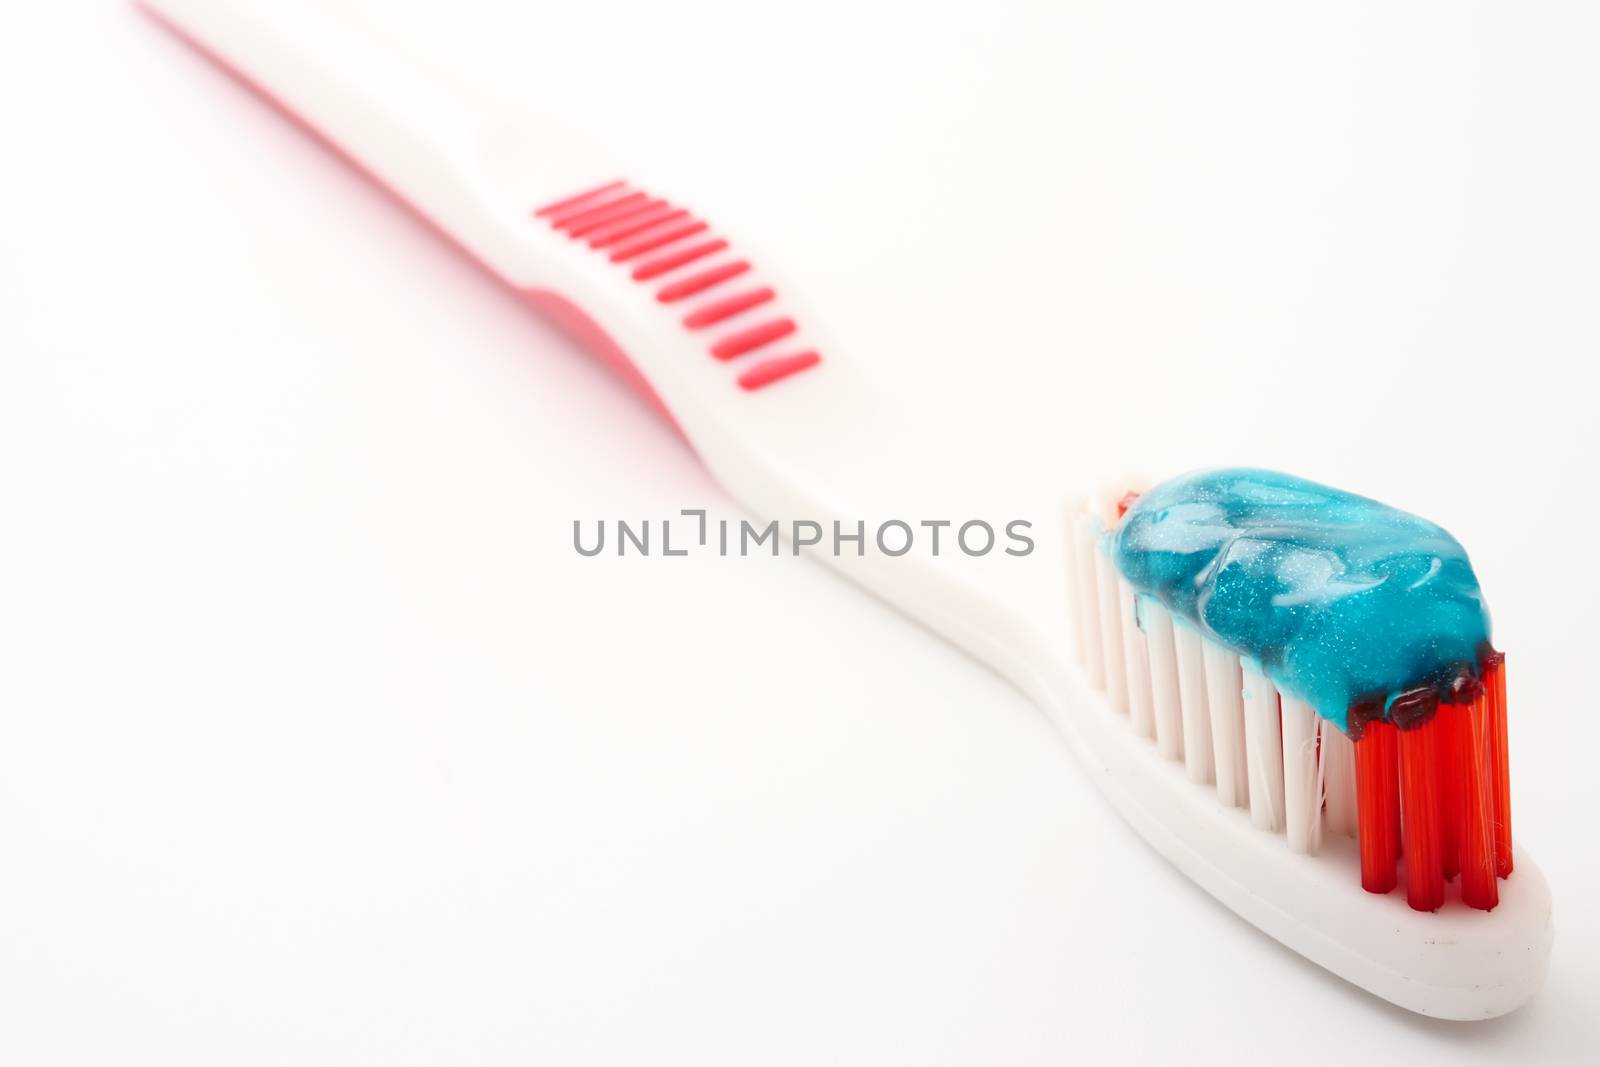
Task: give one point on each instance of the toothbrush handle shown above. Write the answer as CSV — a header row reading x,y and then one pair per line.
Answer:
x,y
656,291
712,338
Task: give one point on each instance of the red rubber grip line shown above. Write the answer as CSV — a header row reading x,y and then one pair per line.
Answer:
x,y
600,213
636,225
605,220
571,201
696,283
654,268
655,241
726,309
738,344
772,370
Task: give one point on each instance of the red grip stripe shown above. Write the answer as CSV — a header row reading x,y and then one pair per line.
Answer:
x,y
704,280
635,226
631,223
605,220
571,201
579,222
725,309
769,371
654,268
654,241
738,344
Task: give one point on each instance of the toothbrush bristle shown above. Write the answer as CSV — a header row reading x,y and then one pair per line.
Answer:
x,y
1494,686
1378,806
1450,771
1479,888
1419,815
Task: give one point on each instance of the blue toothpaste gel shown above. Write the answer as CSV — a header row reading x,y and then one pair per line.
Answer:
x,y
1340,600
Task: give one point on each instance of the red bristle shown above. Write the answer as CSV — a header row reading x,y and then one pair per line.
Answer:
x,y
1419,815
1377,806
1451,725
1478,886
1494,687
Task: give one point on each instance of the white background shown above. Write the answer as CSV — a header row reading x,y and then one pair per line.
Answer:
x,y
318,743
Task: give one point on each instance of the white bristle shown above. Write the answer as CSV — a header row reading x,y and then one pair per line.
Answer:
x,y
1085,534
1264,751
1135,656
1076,510
1225,695
1166,704
1302,786
1105,580
1338,780
1197,755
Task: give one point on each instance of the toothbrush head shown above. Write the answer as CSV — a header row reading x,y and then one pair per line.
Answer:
x,y
1323,662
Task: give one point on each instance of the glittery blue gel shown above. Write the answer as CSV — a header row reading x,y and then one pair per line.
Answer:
x,y
1339,599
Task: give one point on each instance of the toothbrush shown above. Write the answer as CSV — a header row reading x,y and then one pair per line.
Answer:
x,y
1205,743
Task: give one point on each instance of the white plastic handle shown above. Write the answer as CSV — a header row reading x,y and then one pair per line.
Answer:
x,y
484,173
